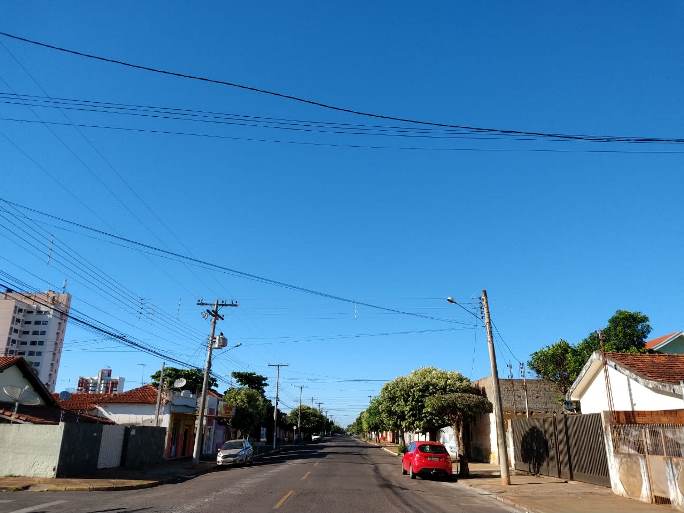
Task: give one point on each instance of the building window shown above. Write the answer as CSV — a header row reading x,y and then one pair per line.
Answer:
x,y
27,322
45,323
18,321
25,332
13,342
39,353
34,332
32,353
20,310
22,342
34,343
42,332
15,330
21,353
37,322
41,342
29,311
11,351
36,364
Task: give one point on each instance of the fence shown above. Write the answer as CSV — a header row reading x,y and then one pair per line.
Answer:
x,y
564,446
649,461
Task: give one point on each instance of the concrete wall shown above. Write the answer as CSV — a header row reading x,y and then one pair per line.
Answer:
x,y
628,395
29,450
79,450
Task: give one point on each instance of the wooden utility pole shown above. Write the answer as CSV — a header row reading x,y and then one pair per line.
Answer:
x,y
498,407
275,410
199,423
527,404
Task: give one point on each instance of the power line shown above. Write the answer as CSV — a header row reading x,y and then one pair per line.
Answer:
x,y
341,145
237,272
347,110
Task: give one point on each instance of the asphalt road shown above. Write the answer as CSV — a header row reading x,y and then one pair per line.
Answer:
x,y
340,475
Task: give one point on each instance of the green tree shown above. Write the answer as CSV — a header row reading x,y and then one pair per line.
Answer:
x,y
555,363
251,380
312,419
250,409
562,362
459,408
193,378
402,401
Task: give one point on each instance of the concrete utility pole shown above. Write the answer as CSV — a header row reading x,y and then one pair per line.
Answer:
x,y
199,422
527,404
159,395
312,401
275,410
299,416
498,408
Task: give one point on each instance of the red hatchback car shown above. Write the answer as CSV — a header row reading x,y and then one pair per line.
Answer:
x,y
426,458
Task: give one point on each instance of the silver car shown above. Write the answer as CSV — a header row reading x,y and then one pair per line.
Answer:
x,y
235,452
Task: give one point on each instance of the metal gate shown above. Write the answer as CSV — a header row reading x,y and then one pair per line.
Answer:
x,y
111,446
564,446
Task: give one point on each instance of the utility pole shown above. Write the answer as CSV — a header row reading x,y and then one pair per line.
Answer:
x,y
510,376
199,423
275,410
527,404
498,408
299,416
312,401
159,395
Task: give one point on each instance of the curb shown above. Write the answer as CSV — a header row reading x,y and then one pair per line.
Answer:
x,y
390,451
502,499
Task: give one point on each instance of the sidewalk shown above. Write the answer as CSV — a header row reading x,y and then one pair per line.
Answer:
x,y
112,479
541,494
174,471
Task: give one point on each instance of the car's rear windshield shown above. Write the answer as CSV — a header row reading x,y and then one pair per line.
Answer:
x,y
432,449
233,444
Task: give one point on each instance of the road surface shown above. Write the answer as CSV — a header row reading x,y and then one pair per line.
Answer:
x,y
340,475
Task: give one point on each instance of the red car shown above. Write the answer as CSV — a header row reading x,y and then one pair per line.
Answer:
x,y
426,458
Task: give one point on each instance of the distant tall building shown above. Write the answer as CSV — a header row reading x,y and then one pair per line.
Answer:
x,y
103,383
32,325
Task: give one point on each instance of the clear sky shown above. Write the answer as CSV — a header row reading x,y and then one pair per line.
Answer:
x,y
560,239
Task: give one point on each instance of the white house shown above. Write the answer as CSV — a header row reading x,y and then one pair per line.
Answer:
x,y
672,343
638,382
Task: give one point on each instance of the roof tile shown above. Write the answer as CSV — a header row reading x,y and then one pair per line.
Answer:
x,y
650,344
146,394
666,368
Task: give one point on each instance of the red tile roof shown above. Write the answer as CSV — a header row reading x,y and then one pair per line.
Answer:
x,y
666,368
650,344
146,394
48,415
7,361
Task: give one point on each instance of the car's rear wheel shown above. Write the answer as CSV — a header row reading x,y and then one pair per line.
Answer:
x,y
411,474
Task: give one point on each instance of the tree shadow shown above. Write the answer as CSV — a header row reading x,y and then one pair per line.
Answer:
x,y
534,449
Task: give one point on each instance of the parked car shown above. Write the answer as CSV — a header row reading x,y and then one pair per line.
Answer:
x,y
316,437
426,458
235,452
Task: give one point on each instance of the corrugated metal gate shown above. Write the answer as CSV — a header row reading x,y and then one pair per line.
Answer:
x,y
564,446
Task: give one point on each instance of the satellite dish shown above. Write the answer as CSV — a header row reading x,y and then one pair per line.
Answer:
x,y
18,395
64,395
179,383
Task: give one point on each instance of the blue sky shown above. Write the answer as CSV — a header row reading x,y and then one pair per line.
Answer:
x,y
560,239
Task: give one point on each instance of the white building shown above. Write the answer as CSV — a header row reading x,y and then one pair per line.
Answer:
x,y
103,383
638,382
32,325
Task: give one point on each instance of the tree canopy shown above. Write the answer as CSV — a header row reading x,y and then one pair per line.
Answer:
x,y
250,409
193,378
562,362
251,380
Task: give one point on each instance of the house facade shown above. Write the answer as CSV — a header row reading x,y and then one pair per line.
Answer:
x,y
637,382
672,343
177,413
